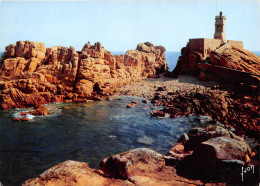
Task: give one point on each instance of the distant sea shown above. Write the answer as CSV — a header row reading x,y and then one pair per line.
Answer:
x,y
256,52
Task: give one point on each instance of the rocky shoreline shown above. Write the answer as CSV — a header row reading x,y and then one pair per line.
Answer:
x,y
32,75
202,156
186,96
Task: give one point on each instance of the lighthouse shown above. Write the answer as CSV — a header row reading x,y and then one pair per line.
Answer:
x,y
220,27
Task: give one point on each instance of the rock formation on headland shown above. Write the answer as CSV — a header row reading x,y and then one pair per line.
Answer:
x,y
232,65
237,69
32,74
219,58
203,154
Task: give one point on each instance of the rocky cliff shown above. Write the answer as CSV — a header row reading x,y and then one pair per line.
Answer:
x,y
31,74
237,59
232,58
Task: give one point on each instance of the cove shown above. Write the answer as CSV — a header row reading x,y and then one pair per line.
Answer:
x,y
83,132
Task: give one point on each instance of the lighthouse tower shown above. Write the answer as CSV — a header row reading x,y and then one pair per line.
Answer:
x,y
220,27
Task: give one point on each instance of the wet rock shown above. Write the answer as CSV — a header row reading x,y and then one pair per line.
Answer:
x,y
40,111
21,119
161,88
24,113
96,98
145,101
183,139
131,105
158,113
228,108
108,98
156,97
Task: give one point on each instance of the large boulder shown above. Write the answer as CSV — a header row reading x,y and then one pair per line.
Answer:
x,y
145,47
142,166
222,157
135,162
198,135
146,60
210,152
215,150
189,142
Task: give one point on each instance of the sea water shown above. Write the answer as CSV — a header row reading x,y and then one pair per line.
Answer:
x,y
83,132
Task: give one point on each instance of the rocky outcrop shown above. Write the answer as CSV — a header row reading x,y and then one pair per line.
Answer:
x,y
135,167
142,166
32,74
73,173
232,109
212,154
231,58
187,63
200,102
133,163
143,60
237,59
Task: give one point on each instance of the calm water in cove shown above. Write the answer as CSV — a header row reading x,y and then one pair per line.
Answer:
x,y
83,132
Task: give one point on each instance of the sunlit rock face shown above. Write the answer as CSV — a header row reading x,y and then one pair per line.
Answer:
x,y
32,74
